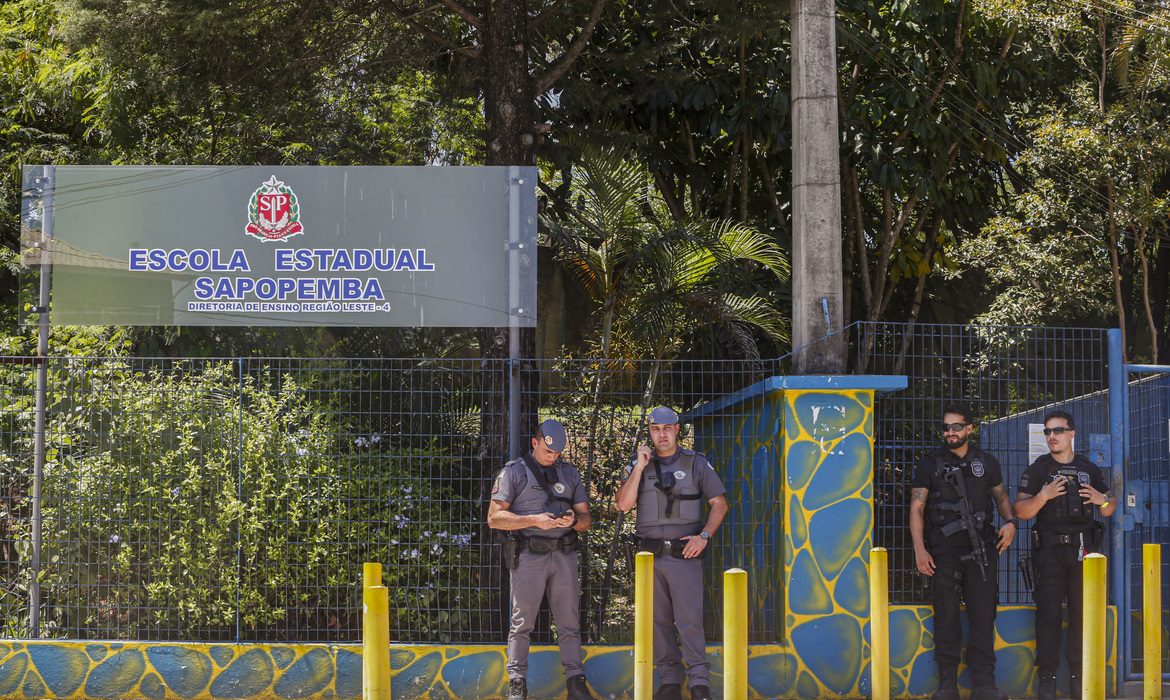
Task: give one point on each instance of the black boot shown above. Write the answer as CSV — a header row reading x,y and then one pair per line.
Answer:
x,y
948,685
700,692
669,691
517,689
578,689
988,692
1046,687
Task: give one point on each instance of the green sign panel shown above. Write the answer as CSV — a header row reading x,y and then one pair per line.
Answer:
x,y
284,246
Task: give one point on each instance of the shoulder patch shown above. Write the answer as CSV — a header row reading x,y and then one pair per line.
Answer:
x,y
1024,480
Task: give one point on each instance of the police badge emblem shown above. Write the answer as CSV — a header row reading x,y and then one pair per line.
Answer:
x,y
680,475
559,487
548,440
977,468
274,212
1083,477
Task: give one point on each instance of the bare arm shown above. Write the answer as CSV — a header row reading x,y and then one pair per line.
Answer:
x,y
718,510
500,518
627,494
584,519
922,558
1028,505
1003,503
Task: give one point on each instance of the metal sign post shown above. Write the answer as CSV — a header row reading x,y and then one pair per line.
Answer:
x,y
43,185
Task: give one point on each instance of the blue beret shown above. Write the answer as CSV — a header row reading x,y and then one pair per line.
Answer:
x,y
663,416
554,435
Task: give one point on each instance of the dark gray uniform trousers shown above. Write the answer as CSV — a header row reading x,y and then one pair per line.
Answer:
x,y
555,575
678,602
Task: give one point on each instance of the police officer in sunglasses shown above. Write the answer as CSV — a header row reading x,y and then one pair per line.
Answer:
x,y
1065,492
669,485
954,490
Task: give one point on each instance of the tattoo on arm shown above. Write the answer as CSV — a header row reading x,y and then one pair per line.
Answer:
x,y
999,493
919,495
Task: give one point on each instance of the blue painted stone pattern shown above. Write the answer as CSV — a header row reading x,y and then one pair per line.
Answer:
x,y
65,669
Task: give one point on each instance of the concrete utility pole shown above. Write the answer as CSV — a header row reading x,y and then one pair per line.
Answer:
x,y
816,191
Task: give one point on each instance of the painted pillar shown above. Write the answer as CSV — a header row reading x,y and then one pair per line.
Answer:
x,y
797,454
828,504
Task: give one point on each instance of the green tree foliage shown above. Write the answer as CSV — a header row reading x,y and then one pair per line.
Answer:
x,y
1084,234
157,482
658,282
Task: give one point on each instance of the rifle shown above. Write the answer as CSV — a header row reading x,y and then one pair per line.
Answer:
x,y
968,520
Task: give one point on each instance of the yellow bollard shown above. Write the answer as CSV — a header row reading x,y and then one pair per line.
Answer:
x,y
375,634
643,626
1152,621
879,624
1093,628
735,634
371,576
376,643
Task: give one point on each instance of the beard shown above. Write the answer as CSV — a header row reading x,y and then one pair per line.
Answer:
x,y
954,443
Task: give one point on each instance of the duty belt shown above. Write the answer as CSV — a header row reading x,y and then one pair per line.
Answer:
x,y
1044,538
673,547
544,545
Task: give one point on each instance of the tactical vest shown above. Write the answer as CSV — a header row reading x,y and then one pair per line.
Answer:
x,y
1068,513
669,494
944,496
557,496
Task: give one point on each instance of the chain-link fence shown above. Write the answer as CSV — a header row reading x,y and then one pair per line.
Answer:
x,y
1149,472
236,499
1010,377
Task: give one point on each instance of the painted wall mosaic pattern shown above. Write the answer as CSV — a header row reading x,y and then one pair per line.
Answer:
x,y
828,491
31,670
744,445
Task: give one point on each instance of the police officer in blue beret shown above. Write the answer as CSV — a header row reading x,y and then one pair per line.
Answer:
x,y
668,485
540,503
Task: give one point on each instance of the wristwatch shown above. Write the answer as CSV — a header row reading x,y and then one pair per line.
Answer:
x,y
1012,522
705,535
1105,502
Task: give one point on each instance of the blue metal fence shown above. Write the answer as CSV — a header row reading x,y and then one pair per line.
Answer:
x,y
1146,507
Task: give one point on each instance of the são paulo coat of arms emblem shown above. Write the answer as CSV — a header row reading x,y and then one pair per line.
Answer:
x,y
273,212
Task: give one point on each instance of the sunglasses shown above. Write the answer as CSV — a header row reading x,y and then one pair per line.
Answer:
x,y
954,427
1057,431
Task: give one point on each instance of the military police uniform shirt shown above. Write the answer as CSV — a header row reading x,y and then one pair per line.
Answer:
x,y
706,482
1042,471
511,486
981,472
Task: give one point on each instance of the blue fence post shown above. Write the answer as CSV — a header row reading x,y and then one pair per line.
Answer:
x,y
1119,448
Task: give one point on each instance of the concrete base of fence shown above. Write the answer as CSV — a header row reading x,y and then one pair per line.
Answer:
x,y
73,669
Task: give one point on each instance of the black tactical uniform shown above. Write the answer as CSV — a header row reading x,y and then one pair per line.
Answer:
x,y
1066,530
957,574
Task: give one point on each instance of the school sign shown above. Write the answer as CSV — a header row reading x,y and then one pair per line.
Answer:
x,y
284,246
